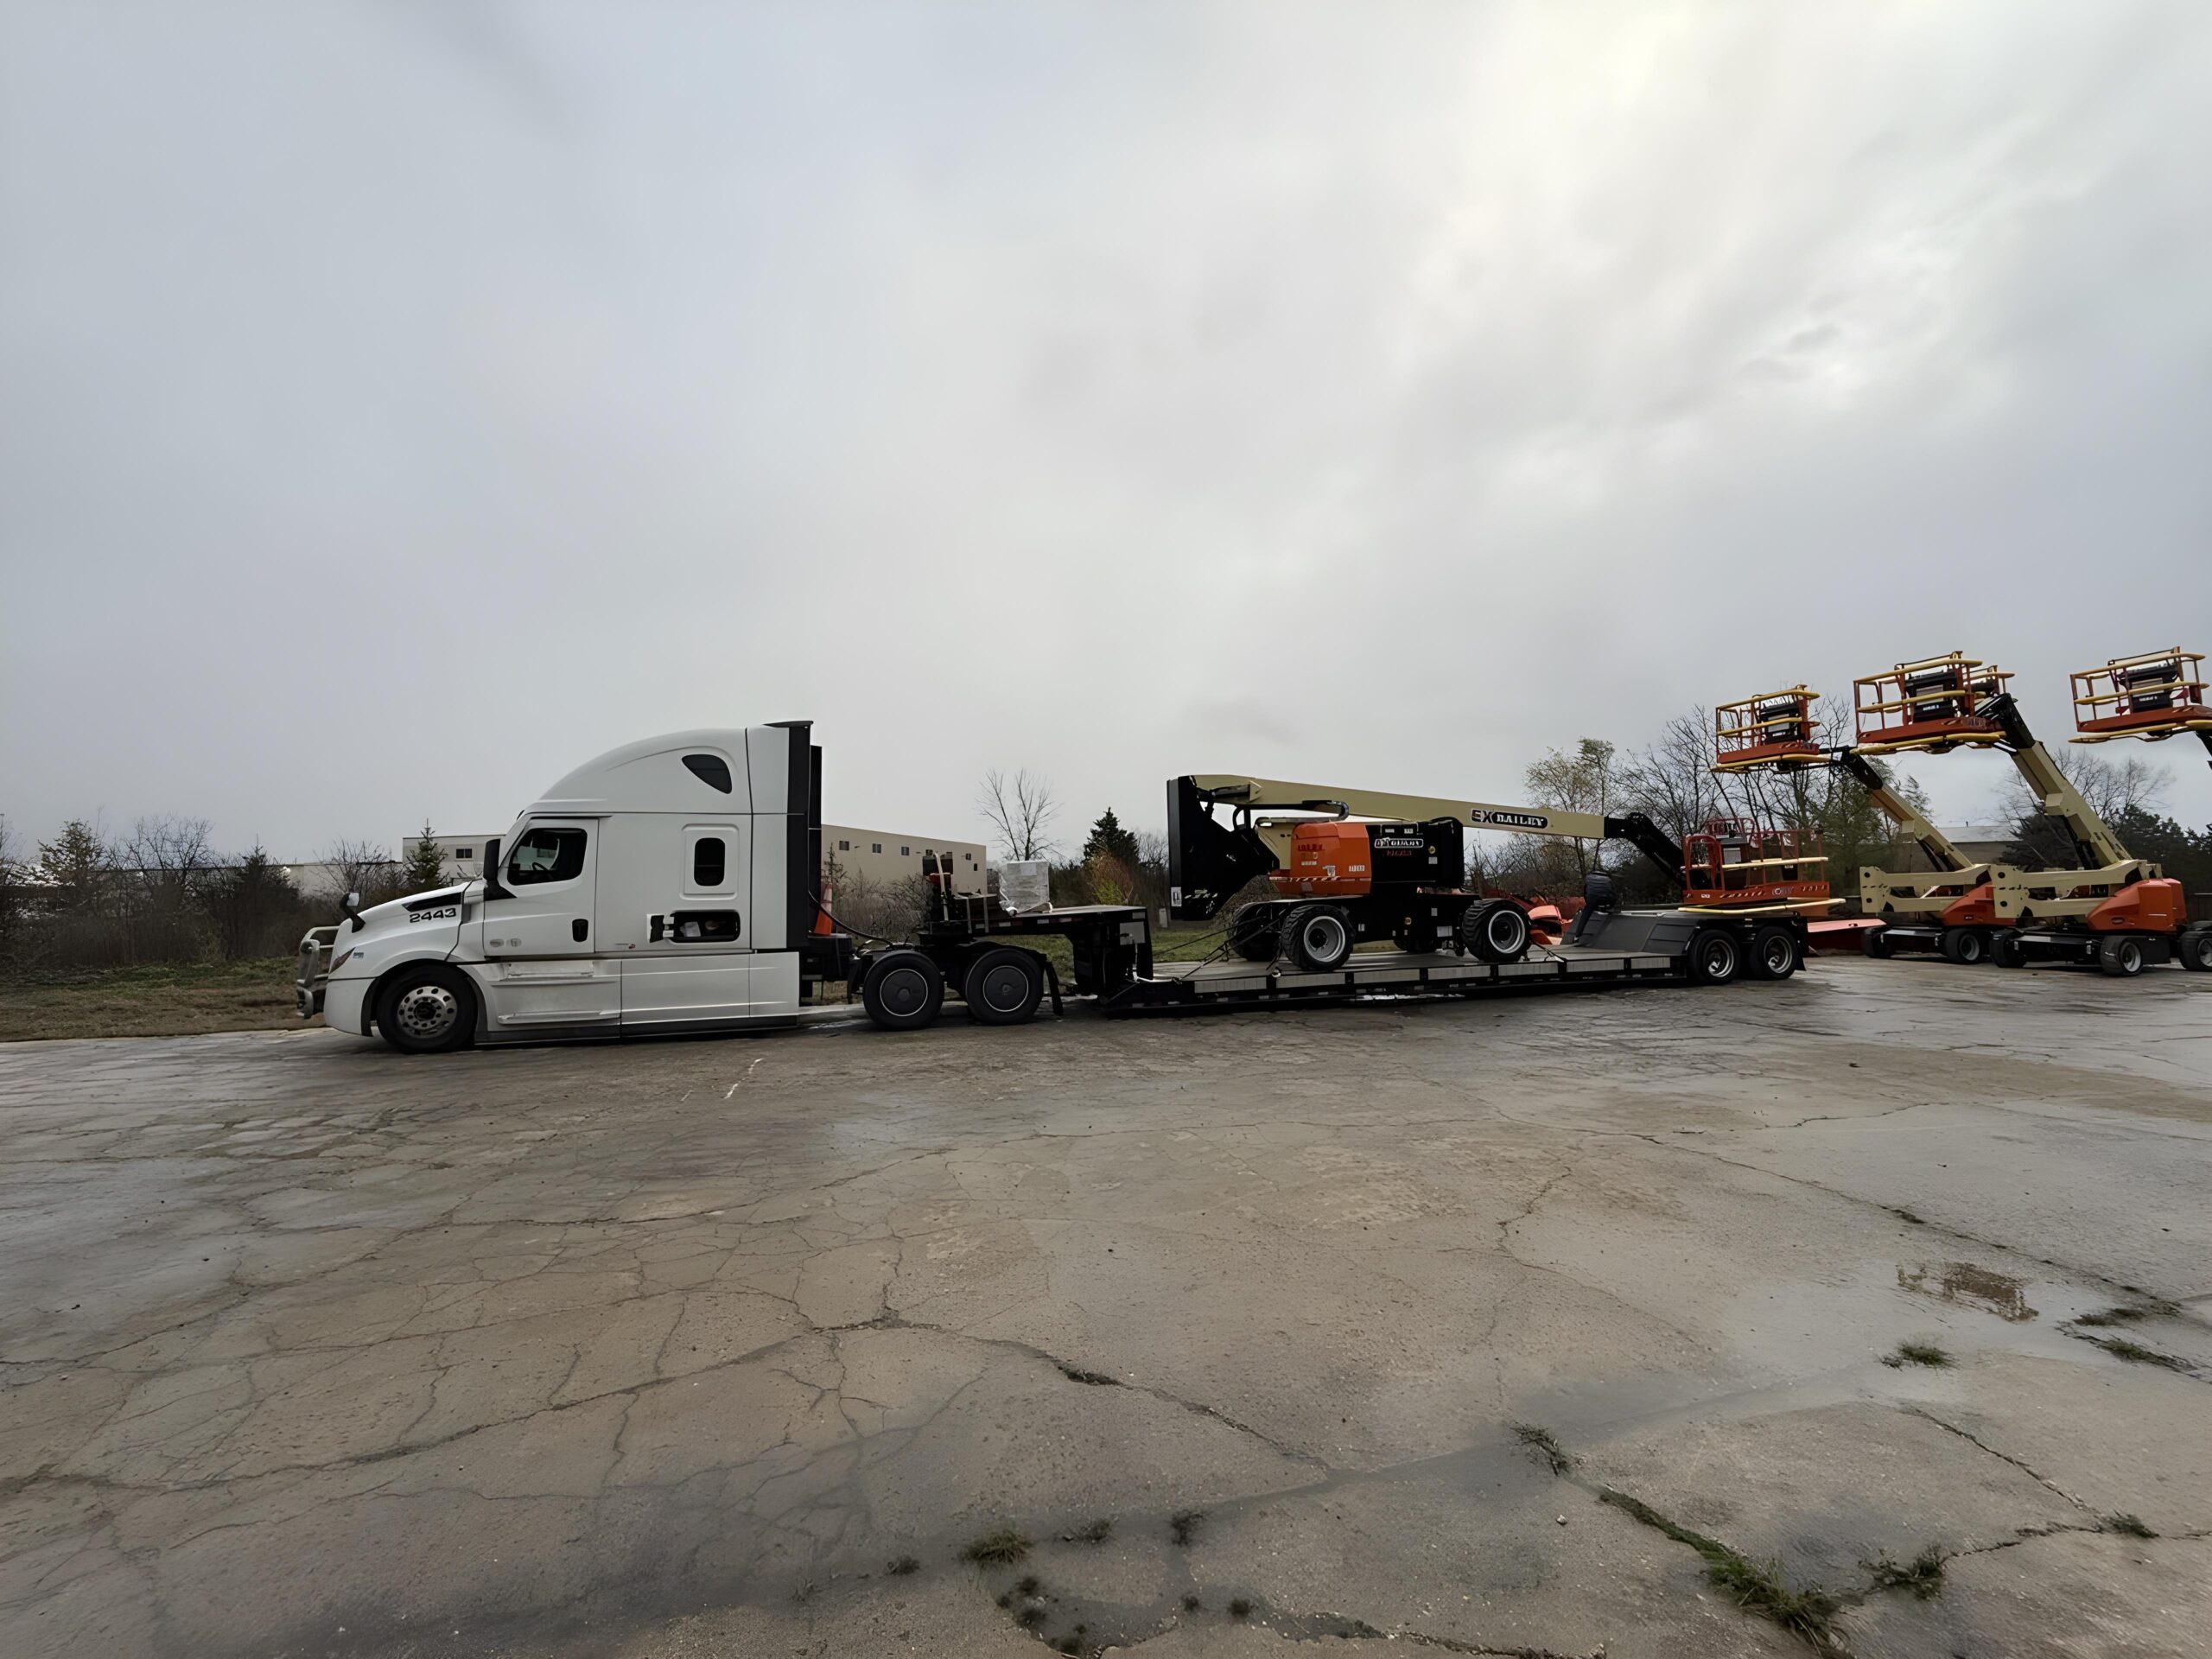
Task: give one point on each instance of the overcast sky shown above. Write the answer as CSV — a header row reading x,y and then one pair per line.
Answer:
x,y
402,402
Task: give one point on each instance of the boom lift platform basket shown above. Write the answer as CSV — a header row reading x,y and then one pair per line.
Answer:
x,y
2158,695
1937,704
1773,731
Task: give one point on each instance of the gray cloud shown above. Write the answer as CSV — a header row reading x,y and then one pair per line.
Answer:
x,y
399,403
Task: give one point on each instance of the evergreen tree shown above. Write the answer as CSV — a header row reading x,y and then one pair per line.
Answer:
x,y
425,868
79,866
1108,838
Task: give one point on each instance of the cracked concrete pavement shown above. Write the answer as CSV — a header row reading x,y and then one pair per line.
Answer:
x,y
675,1348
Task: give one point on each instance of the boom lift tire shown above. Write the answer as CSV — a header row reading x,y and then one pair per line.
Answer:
x,y
427,1009
1003,987
903,991
1965,946
2195,950
1715,956
1496,932
1874,945
1774,953
1254,931
2123,958
1318,938
2005,948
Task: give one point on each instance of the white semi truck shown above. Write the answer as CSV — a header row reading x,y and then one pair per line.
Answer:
x,y
674,885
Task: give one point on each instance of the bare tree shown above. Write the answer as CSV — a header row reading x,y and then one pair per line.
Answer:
x,y
361,867
1019,809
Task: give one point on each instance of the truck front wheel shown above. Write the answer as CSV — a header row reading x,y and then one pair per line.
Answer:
x,y
903,991
426,1010
1003,987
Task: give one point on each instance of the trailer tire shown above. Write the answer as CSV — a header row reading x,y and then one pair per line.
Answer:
x,y
1715,956
1003,987
1496,932
2195,950
1965,946
904,991
1253,932
1775,953
1874,945
1318,938
2005,948
428,1008
2123,958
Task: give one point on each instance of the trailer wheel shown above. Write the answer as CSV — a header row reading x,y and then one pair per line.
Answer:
x,y
2122,958
1874,945
2005,948
904,991
2195,950
1318,938
1774,953
1714,956
1253,932
1498,932
1003,987
427,1010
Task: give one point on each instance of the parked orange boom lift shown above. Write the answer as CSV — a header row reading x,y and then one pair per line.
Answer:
x,y
2115,911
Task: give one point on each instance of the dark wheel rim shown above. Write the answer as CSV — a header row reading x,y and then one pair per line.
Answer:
x,y
1719,959
1780,953
426,1013
2131,956
903,991
1969,947
1005,989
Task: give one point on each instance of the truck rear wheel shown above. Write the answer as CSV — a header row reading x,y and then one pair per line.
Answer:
x,y
1773,952
2005,948
1003,987
903,991
1715,956
2123,958
1318,938
1965,946
427,1010
1253,932
1496,932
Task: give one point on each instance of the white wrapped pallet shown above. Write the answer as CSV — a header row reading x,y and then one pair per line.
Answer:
x,y
1026,885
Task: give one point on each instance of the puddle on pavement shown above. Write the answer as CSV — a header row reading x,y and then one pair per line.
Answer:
x,y
1969,1286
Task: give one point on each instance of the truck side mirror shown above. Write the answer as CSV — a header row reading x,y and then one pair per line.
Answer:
x,y
351,906
492,887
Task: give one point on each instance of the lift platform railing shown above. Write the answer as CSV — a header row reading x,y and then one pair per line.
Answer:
x,y
1734,864
1935,704
2158,695
1772,731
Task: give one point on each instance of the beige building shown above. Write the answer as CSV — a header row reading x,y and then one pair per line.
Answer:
x,y
881,855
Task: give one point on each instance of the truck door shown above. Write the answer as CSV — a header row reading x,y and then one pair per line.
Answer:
x,y
695,965
539,946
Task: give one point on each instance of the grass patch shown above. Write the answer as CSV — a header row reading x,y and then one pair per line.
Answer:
x,y
1096,1532
1240,1608
1538,1440
1184,1527
164,1000
1917,1353
2153,1310
1923,1575
1001,1549
2136,1353
2133,1526
1759,1587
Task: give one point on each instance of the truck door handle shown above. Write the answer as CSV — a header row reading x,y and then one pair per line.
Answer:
x,y
580,929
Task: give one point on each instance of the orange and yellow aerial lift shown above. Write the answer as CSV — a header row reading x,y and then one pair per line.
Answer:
x,y
2116,911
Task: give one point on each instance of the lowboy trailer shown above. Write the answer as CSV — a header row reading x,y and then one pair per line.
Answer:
x,y
674,886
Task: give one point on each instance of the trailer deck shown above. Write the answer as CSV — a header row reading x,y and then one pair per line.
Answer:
x,y
1188,985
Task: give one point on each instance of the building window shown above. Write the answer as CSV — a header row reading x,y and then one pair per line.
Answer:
x,y
707,862
710,769
906,852
464,852
875,847
844,846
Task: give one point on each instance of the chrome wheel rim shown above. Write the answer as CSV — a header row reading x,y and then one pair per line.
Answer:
x,y
427,1012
